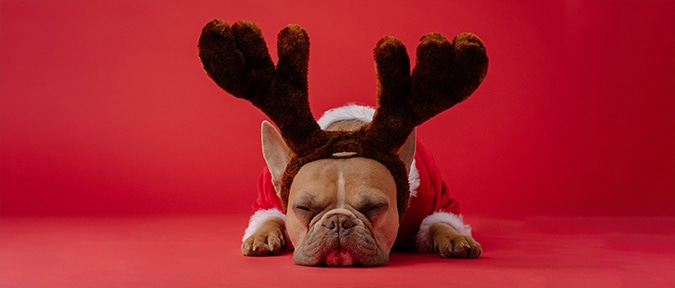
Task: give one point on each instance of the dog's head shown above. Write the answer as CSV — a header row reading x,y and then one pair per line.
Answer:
x,y
341,210
334,181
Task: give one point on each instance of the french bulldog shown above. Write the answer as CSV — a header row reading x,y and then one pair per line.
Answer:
x,y
342,211
347,189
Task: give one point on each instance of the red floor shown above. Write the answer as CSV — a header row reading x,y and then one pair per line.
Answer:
x,y
204,252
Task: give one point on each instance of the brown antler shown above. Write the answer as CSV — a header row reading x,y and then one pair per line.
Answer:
x,y
237,59
445,74
393,115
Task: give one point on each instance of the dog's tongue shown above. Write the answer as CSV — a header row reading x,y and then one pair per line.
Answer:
x,y
339,258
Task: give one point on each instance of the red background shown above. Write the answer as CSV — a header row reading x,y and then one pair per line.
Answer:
x,y
105,110
123,165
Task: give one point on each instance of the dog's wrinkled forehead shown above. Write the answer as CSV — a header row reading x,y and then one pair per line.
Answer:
x,y
346,146
397,171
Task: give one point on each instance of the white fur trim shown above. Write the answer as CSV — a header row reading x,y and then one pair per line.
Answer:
x,y
365,114
424,241
349,112
259,217
413,179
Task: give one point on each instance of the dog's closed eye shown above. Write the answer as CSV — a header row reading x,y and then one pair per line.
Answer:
x,y
373,207
306,207
304,213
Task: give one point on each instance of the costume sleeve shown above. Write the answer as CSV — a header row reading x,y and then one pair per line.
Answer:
x,y
267,195
446,203
445,209
428,169
267,204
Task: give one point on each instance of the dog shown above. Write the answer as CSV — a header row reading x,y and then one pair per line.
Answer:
x,y
347,189
341,210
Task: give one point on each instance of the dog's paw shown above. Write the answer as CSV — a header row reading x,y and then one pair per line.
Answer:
x,y
267,240
448,243
457,246
262,245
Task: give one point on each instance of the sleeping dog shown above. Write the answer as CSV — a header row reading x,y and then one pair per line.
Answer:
x,y
340,209
347,189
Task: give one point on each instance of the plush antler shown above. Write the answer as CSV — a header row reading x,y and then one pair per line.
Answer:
x,y
445,74
236,58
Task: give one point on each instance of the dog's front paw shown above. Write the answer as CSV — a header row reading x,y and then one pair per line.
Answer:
x,y
267,240
458,247
450,244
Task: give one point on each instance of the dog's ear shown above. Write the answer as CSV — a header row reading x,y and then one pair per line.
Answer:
x,y
407,151
276,153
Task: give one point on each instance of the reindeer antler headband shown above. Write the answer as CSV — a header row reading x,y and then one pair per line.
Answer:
x,y
446,73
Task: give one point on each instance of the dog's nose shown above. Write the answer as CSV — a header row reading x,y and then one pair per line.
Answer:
x,y
339,222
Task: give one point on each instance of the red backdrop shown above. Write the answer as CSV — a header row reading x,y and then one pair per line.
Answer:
x,y
104,107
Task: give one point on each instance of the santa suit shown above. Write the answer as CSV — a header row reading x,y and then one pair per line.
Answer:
x,y
430,201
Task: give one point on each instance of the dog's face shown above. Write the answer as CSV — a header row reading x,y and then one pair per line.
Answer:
x,y
341,210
